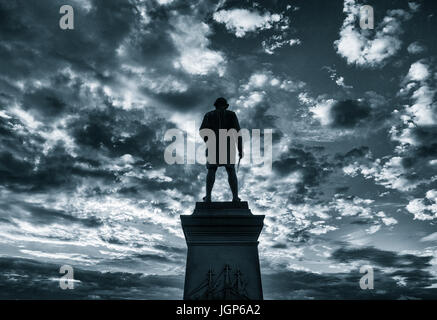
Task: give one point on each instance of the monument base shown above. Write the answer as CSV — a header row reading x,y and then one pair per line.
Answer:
x,y
222,257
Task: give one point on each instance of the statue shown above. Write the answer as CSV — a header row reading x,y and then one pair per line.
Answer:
x,y
222,236
220,118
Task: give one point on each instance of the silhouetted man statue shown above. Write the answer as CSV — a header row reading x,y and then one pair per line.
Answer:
x,y
220,118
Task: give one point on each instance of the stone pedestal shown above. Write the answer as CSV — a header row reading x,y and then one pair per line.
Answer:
x,y
222,257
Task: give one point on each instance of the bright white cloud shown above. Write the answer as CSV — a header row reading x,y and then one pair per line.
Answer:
x,y
319,107
355,207
373,229
242,21
388,221
424,208
262,83
258,80
164,2
339,80
277,41
359,47
191,39
158,83
85,259
265,79
388,172
418,72
251,100
421,110
322,111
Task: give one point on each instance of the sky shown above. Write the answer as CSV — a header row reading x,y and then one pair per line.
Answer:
x,y
83,114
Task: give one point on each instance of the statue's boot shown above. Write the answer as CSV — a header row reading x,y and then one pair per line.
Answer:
x,y
207,199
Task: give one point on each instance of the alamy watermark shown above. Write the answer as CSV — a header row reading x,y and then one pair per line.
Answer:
x,y
187,146
67,20
67,280
366,17
366,281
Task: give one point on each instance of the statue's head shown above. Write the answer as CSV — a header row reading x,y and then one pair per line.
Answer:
x,y
221,103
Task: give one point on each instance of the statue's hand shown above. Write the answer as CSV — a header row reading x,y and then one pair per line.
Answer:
x,y
241,154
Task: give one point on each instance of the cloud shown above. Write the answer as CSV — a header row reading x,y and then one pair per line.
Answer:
x,y
414,6
415,123
416,48
385,259
397,276
430,237
338,114
388,221
339,80
424,208
321,110
191,39
389,172
418,72
40,215
420,87
349,113
242,21
276,42
353,154
164,2
266,79
311,169
353,206
359,47
28,279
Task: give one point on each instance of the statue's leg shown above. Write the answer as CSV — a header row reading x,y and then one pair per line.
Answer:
x,y
210,179
233,182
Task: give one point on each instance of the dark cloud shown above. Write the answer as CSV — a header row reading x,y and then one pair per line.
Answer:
x,y
105,130
353,154
176,250
349,113
341,189
261,118
45,101
361,222
313,169
377,257
19,174
35,33
425,136
55,170
427,151
40,215
305,285
194,98
28,279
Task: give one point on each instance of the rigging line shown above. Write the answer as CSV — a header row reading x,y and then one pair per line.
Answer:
x,y
197,289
